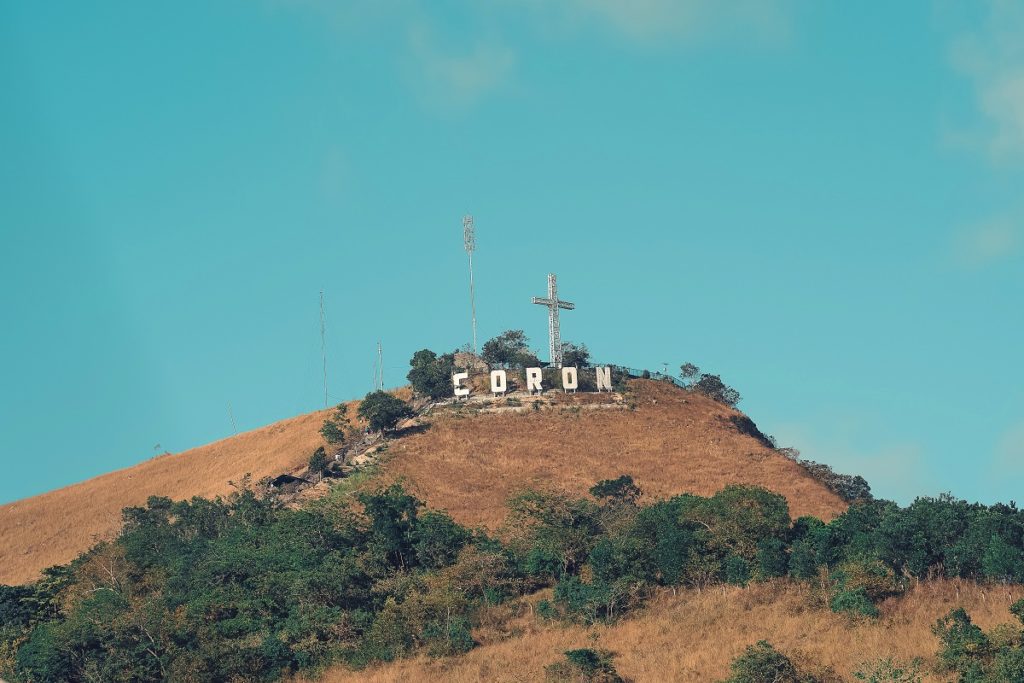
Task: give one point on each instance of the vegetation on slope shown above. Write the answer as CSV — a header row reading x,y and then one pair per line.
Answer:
x,y
245,589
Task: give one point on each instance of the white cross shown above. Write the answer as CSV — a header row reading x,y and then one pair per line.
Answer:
x,y
553,304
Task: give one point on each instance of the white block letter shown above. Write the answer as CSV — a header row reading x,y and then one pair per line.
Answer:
x,y
499,382
533,377
457,381
604,378
569,379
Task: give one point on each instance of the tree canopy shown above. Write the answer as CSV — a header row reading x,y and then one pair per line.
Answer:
x,y
510,349
383,411
431,375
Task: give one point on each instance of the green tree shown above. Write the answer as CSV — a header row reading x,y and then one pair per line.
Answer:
x,y
714,388
431,375
509,349
575,355
318,463
762,663
335,426
688,372
383,411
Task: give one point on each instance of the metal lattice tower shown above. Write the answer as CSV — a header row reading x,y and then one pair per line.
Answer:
x,y
469,239
554,334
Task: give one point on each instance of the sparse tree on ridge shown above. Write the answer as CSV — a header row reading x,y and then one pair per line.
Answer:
x,y
688,371
575,356
510,349
431,375
710,385
714,388
334,427
383,411
318,463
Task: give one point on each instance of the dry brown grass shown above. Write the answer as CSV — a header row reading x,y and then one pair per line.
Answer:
x,y
695,635
673,442
55,527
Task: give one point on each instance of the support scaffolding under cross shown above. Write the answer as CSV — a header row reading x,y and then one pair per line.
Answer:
x,y
553,304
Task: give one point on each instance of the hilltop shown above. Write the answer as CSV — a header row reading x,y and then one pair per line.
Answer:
x,y
467,461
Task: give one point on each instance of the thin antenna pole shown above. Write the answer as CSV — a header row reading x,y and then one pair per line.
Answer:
x,y
469,239
323,343
380,365
231,414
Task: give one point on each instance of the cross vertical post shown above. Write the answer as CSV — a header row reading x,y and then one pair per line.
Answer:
x,y
554,333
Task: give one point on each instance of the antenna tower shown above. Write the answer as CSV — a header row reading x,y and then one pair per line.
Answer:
x,y
469,239
379,379
323,342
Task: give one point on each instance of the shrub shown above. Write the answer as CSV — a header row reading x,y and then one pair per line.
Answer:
x,y
889,671
586,664
762,663
964,646
383,411
853,601
714,388
617,491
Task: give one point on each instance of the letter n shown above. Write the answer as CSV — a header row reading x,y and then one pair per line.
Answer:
x,y
604,378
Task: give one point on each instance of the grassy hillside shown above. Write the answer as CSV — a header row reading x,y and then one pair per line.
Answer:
x,y
694,635
465,463
53,528
535,559
673,442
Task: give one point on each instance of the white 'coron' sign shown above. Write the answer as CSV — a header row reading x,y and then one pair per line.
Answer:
x,y
534,381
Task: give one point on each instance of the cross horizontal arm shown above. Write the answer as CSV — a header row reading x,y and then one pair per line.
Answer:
x,y
566,305
544,302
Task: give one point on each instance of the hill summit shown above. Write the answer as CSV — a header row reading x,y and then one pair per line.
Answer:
x,y
467,459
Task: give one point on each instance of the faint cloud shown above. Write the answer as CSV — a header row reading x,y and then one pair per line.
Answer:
x,y
450,80
994,60
986,243
1010,449
652,20
896,470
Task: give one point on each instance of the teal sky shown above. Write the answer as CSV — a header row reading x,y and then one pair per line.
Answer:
x,y
824,202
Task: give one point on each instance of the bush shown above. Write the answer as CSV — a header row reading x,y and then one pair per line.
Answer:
x,y
586,664
621,491
383,411
889,671
965,648
854,601
431,375
714,388
510,349
762,663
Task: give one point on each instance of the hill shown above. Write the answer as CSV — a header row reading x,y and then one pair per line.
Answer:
x,y
531,559
674,441
467,462
53,528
